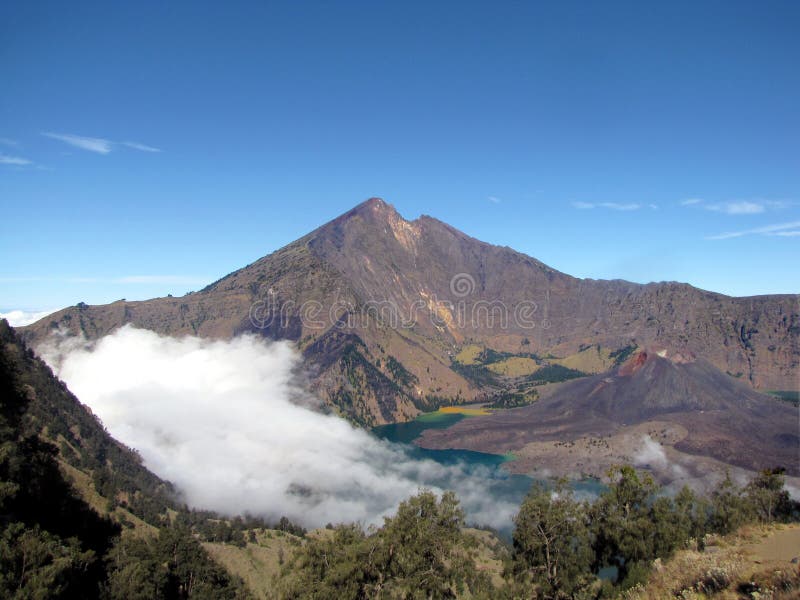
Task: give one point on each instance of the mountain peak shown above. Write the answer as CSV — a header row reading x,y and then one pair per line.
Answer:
x,y
374,206
375,211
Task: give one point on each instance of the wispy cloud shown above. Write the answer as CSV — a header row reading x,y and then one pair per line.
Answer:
x,y
97,145
779,229
14,161
493,199
737,208
142,147
9,142
617,206
608,205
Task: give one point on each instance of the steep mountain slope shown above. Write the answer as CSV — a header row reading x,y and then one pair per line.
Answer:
x,y
710,413
67,492
380,306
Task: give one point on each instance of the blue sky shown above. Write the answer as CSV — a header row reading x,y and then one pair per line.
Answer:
x,y
149,148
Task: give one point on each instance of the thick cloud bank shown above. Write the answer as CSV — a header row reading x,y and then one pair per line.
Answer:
x,y
20,318
226,422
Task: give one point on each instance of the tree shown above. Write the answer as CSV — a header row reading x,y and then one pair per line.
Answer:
x,y
172,565
347,564
675,521
37,564
767,496
551,542
622,525
729,508
421,552
427,551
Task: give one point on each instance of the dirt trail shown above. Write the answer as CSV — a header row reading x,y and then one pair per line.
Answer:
x,y
778,549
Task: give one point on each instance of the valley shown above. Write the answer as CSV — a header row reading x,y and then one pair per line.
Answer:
x,y
396,318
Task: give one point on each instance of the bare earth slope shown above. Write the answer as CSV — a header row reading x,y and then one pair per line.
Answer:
x,y
381,305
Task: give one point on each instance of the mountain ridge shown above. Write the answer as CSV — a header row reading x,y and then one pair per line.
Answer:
x,y
372,300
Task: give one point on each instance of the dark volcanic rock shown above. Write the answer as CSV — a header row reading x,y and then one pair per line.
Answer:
x,y
724,418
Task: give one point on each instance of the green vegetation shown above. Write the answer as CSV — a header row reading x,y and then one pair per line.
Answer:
x,y
789,396
421,552
552,545
172,565
365,382
509,377
516,366
51,542
400,374
554,374
506,400
477,374
621,355
559,542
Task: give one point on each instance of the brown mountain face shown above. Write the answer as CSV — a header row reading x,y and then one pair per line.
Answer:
x,y
397,316
695,408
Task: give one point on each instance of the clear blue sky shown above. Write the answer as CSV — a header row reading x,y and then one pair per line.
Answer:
x,y
607,139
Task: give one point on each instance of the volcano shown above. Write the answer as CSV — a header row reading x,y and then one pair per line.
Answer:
x,y
698,409
395,317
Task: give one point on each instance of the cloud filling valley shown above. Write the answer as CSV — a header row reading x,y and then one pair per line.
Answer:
x,y
228,423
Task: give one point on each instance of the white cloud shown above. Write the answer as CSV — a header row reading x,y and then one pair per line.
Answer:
x,y
14,160
142,147
785,233
776,229
691,201
20,318
98,145
609,205
9,142
737,208
651,453
493,199
226,422
618,206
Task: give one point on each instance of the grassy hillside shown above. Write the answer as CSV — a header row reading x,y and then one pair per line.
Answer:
x,y
754,562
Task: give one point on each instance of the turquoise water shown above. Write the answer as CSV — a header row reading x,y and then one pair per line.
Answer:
x,y
500,484
406,433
